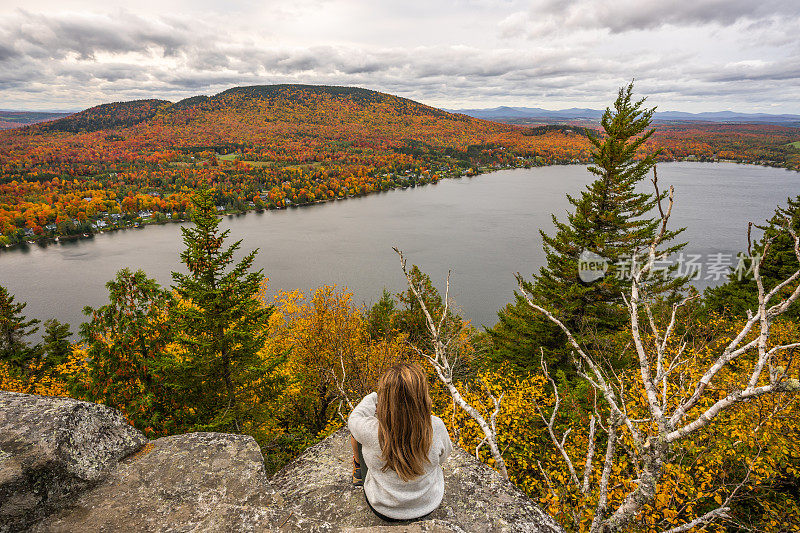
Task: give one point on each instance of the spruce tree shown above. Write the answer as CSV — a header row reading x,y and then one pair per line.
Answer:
x,y
610,218
126,341
409,317
221,327
56,346
15,328
379,317
740,294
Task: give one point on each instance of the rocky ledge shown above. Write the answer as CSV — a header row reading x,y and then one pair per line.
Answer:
x,y
69,466
476,499
53,448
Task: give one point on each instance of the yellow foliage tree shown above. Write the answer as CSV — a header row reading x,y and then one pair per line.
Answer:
x,y
747,459
331,360
42,380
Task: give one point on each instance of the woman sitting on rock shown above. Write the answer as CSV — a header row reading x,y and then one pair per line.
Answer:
x,y
399,446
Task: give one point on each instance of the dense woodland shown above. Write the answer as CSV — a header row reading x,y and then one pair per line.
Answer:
x,y
265,147
570,396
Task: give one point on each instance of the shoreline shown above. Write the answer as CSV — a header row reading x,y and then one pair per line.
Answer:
x,y
486,229
48,240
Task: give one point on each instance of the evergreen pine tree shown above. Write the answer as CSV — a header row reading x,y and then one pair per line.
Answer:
x,y
379,317
126,341
221,327
740,294
611,219
14,330
410,319
55,342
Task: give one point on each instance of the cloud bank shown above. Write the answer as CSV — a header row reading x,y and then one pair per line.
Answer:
x,y
700,55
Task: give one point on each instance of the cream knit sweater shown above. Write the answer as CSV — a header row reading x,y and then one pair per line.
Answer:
x,y
386,492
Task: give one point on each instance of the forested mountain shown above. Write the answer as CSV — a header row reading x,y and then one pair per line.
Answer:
x,y
106,116
275,146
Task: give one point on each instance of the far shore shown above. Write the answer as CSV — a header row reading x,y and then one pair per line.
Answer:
x,y
45,240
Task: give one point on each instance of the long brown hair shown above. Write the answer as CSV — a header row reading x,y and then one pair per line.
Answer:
x,y
404,420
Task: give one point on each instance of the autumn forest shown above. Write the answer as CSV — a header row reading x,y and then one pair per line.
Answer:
x,y
269,147
622,403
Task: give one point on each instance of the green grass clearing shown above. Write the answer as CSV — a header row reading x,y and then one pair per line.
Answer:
x,y
795,145
236,157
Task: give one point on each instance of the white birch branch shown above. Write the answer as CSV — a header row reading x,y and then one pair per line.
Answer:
x,y
444,369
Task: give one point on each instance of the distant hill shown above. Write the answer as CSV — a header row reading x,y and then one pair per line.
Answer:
x,y
17,119
107,116
505,113
319,125
531,115
219,115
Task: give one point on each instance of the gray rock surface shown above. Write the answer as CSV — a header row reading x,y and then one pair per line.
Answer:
x,y
192,482
53,448
318,486
69,466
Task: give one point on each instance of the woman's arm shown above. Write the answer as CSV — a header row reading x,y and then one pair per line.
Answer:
x,y
362,422
447,444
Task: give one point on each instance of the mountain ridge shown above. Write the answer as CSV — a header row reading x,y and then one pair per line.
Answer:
x,y
113,115
504,113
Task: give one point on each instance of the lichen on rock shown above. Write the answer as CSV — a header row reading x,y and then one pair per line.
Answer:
x,y
53,448
192,482
476,500
70,466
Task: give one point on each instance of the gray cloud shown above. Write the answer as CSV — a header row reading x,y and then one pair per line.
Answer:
x,y
57,36
559,16
7,52
757,71
575,53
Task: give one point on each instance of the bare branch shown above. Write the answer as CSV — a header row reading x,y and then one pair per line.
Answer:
x,y
340,384
587,468
600,382
550,424
443,367
608,463
719,512
478,448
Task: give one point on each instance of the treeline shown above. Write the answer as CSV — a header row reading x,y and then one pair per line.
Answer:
x,y
564,384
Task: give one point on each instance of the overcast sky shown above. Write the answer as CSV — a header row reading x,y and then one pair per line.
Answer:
x,y
686,55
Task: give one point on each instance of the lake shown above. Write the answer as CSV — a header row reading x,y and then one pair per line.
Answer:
x,y
483,228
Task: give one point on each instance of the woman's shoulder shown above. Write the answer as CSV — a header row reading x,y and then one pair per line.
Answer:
x,y
438,424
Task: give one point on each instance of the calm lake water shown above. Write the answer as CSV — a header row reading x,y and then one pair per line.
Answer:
x,y
484,229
